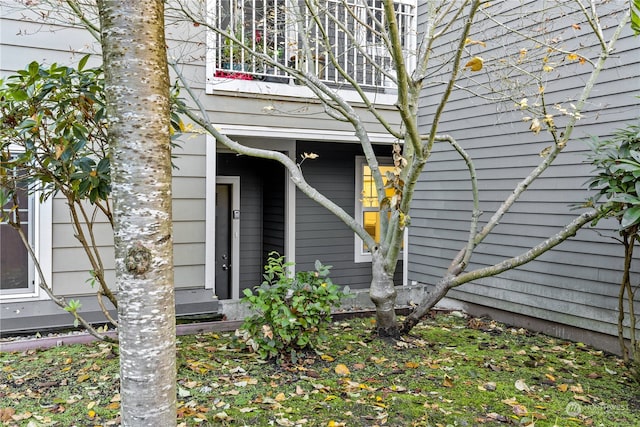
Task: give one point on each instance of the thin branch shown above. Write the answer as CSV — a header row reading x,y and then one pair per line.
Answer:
x,y
594,22
569,230
93,29
476,212
561,143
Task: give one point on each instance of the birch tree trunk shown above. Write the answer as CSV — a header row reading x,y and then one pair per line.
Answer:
x,y
137,91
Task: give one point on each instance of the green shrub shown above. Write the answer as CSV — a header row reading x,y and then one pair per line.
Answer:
x,y
292,313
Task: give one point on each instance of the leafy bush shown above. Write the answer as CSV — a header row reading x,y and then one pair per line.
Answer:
x,y
292,313
617,168
617,162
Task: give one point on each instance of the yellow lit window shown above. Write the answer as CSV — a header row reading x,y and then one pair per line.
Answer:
x,y
370,207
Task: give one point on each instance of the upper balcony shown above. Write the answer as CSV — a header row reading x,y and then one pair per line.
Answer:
x,y
343,43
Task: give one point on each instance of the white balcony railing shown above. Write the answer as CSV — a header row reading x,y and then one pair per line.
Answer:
x,y
349,30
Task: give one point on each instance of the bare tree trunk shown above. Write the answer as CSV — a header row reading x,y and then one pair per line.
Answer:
x,y
629,241
137,89
383,295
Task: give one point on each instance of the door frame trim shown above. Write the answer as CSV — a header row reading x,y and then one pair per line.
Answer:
x,y
210,224
234,181
212,148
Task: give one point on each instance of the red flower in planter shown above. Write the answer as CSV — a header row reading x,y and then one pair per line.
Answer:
x,y
232,75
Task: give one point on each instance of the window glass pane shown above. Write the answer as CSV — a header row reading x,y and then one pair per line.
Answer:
x,y
14,261
369,193
371,222
370,206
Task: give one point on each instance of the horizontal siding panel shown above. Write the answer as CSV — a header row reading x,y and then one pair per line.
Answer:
x,y
597,320
60,211
188,209
189,276
188,254
188,188
188,232
189,145
189,165
76,283
74,259
63,235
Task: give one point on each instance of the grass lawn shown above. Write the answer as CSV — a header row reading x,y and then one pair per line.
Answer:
x,y
452,371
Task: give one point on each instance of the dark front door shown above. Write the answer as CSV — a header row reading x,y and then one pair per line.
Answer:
x,y
223,241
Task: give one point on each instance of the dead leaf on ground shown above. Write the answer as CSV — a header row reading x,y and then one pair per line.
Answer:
x,y
447,381
6,414
522,386
342,369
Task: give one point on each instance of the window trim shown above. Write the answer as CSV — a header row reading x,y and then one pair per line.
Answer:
x,y
40,234
215,84
359,255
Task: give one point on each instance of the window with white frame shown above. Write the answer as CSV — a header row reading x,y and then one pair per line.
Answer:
x,y
367,209
350,31
16,267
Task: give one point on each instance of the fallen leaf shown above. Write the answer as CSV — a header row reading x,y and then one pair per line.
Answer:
x,y
222,416
6,414
327,358
519,410
341,369
23,416
412,365
280,397
562,387
497,417
522,386
267,332
447,381
576,388
379,360
490,386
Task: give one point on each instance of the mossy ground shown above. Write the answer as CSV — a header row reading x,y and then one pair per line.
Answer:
x,y
451,370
